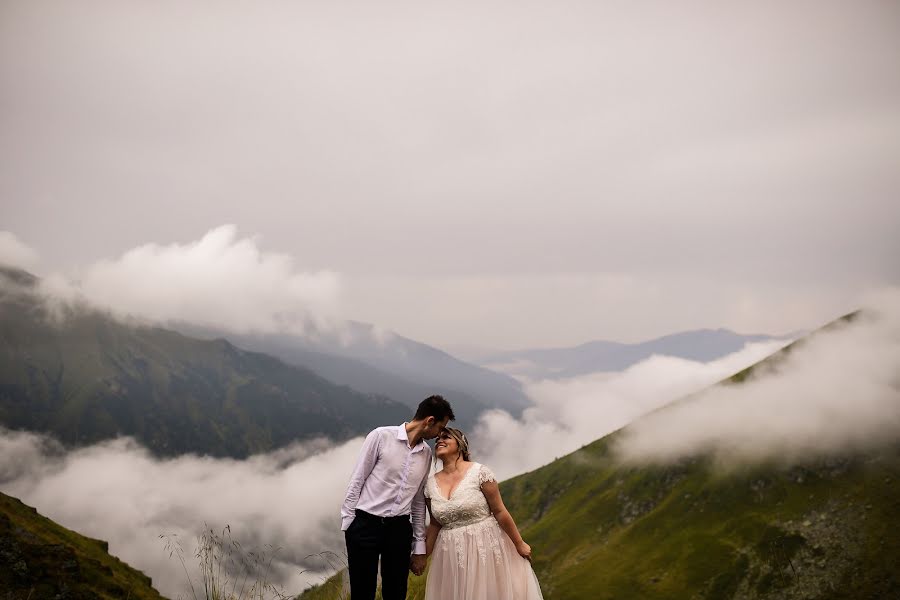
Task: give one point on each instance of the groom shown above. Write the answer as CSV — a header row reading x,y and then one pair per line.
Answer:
x,y
384,509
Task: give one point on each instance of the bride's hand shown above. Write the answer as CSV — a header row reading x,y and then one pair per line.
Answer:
x,y
524,550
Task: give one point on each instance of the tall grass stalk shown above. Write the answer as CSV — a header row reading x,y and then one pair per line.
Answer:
x,y
227,571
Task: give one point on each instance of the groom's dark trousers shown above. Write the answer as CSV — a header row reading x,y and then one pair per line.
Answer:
x,y
368,537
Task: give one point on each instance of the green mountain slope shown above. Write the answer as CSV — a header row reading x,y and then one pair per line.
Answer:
x,y
813,529
817,530
41,559
821,528
88,378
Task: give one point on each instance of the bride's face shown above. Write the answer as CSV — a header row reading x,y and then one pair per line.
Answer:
x,y
446,446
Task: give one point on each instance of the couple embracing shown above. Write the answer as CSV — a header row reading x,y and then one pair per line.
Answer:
x,y
476,550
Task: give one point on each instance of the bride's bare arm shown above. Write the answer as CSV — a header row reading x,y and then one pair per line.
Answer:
x,y
431,532
491,491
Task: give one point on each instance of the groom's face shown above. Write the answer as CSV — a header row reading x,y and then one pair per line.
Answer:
x,y
432,430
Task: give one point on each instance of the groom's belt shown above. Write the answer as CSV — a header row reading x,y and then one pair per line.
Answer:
x,y
370,517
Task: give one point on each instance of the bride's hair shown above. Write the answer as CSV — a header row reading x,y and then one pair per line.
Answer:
x,y
461,441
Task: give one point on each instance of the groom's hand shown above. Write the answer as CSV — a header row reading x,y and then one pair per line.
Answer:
x,y
417,564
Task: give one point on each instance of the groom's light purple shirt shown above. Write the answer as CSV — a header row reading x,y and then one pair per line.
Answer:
x,y
389,480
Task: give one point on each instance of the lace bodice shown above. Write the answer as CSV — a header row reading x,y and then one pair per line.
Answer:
x,y
466,504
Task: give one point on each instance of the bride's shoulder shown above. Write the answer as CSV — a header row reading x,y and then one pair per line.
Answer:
x,y
484,473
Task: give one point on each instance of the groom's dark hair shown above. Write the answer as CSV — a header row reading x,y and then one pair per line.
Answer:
x,y
434,406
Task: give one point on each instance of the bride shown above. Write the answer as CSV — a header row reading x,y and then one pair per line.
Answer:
x,y
476,550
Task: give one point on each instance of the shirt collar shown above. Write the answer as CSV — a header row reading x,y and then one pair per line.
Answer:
x,y
404,437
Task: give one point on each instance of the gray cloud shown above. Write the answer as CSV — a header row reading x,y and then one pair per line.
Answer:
x,y
754,146
837,391
554,310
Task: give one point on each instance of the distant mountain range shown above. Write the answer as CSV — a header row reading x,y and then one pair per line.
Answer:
x,y
87,377
389,365
41,559
701,345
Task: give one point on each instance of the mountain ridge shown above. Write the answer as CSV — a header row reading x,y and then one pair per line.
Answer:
x,y
359,373
86,377
701,345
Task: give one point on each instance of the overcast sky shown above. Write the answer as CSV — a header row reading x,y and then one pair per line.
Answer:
x,y
487,174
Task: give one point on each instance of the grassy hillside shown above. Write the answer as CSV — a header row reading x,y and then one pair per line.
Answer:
x,y
818,528
814,530
40,559
822,528
89,377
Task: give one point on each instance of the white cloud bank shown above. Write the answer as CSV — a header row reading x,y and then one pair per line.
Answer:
x,y
220,280
117,492
838,390
572,412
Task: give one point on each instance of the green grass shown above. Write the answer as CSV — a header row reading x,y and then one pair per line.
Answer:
x,y
41,559
691,531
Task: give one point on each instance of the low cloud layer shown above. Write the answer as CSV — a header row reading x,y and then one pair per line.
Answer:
x,y
116,491
221,280
572,412
838,390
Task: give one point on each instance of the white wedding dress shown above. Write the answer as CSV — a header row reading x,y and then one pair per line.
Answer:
x,y
473,559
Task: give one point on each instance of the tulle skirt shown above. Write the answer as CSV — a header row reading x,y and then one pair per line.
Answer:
x,y
479,562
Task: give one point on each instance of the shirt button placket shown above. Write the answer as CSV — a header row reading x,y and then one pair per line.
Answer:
x,y
403,481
